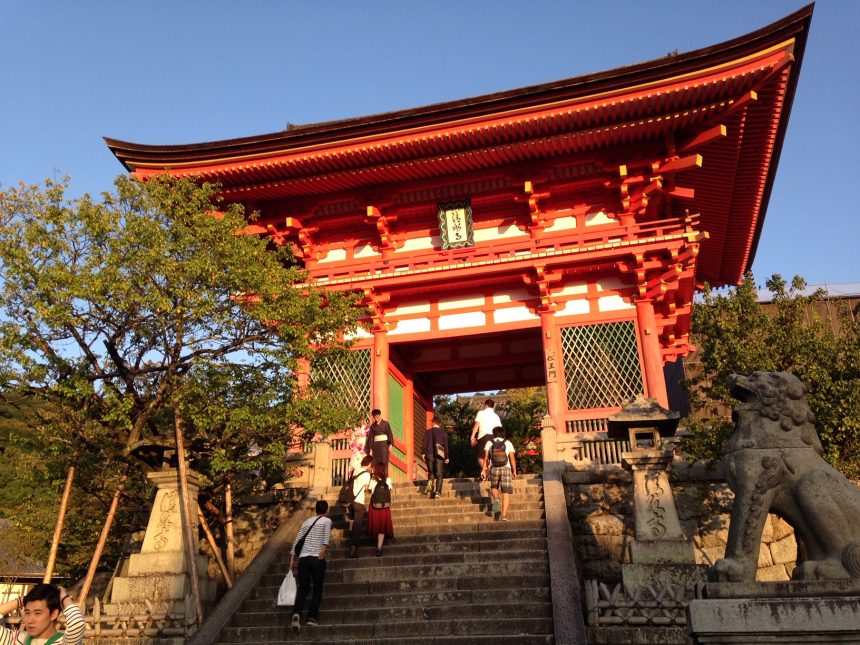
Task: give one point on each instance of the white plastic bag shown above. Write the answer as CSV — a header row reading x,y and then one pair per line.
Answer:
x,y
287,592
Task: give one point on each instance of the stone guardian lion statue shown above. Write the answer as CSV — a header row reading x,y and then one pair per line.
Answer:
x,y
773,464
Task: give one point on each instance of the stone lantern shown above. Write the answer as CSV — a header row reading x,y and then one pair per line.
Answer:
x,y
660,555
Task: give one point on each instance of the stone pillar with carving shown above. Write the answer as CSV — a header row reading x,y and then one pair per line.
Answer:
x,y
160,572
660,556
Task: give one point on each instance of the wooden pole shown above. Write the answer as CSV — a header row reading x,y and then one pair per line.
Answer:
x,y
58,527
212,545
186,516
228,530
94,563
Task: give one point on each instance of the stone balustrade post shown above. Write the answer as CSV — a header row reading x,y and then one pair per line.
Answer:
x,y
321,471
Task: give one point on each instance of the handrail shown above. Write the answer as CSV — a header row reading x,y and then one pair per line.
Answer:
x,y
247,582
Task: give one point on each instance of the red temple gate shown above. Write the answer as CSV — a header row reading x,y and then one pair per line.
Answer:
x,y
551,235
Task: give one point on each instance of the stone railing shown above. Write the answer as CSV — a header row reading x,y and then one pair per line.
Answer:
x,y
132,621
647,607
583,449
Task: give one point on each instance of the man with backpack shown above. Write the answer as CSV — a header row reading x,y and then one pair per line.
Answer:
x,y
308,554
353,494
435,456
500,458
482,431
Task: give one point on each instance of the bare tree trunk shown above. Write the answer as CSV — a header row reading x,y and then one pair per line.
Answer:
x,y
212,545
190,538
94,563
58,527
228,530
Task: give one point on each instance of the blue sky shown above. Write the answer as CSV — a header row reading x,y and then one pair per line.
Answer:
x,y
192,71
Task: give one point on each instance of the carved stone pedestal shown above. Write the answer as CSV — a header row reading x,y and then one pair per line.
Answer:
x,y
660,556
160,573
775,612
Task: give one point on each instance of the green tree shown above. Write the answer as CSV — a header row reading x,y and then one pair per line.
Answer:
x,y
126,313
521,415
734,333
458,416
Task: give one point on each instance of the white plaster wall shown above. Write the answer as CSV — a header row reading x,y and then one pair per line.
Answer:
x,y
598,218
562,224
410,308
514,295
364,251
469,319
497,233
461,302
334,255
411,326
612,303
574,308
416,244
513,314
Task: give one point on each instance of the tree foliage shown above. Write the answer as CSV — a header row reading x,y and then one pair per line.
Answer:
x,y
734,333
121,313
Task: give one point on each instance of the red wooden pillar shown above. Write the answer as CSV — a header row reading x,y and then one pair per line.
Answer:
x,y
409,426
379,372
303,373
555,395
651,354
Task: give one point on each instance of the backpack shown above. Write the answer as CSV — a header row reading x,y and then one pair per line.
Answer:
x,y
346,497
381,497
301,543
498,454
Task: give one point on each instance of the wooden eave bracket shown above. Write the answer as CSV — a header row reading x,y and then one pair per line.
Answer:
x,y
305,247
537,217
375,303
543,279
383,223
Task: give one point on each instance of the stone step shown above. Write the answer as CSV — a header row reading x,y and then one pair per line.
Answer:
x,y
400,548
334,589
403,557
462,626
373,569
453,575
340,536
418,599
365,611
309,635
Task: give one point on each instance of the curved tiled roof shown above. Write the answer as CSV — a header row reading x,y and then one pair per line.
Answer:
x,y
746,84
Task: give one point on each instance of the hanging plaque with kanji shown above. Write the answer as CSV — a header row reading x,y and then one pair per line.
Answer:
x,y
455,225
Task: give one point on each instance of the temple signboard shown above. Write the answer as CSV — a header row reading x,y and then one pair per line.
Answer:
x,y
455,225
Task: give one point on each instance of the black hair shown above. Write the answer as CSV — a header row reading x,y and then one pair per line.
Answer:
x,y
374,412
490,403
322,507
47,592
499,431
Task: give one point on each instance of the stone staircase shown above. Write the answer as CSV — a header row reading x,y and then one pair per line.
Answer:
x,y
453,574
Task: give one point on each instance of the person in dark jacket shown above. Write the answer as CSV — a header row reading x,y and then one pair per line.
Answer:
x,y
435,456
380,440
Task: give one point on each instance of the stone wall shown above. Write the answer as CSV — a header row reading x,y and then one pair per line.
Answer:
x,y
600,508
255,519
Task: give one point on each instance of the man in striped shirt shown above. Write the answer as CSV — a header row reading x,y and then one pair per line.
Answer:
x,y
40,609
311,563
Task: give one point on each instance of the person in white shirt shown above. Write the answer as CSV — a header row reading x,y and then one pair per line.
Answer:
x,y
310,565
39,610
482,431
361,491
502,462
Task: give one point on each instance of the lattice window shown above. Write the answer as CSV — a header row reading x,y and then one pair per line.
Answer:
x,y
601,364
419,423
348,375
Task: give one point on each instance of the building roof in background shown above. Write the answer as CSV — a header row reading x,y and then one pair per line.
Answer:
x,y
839,290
